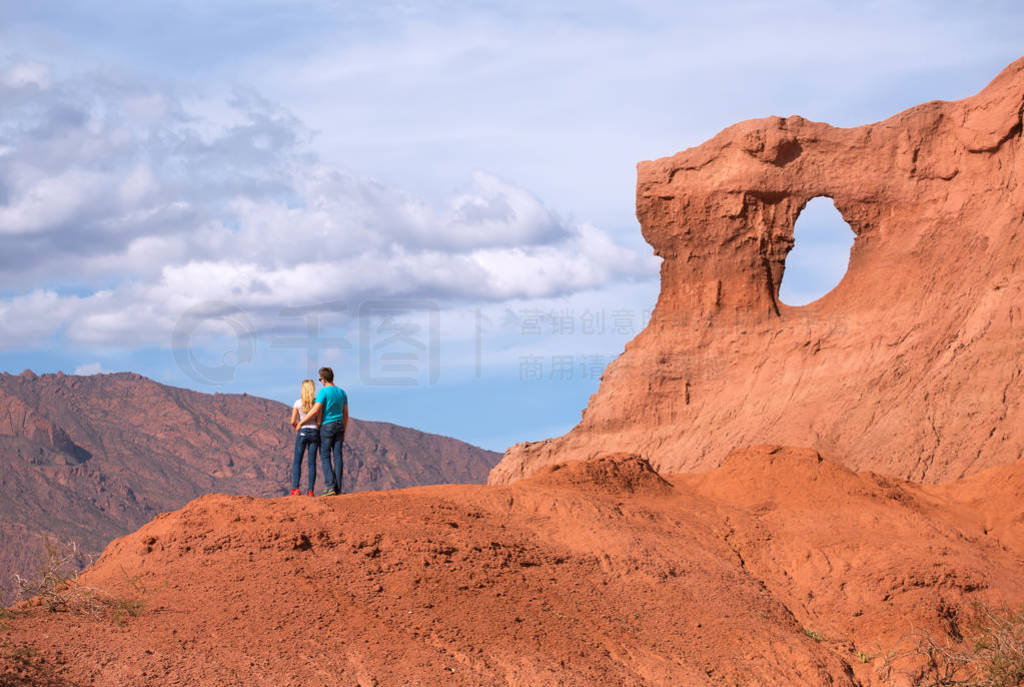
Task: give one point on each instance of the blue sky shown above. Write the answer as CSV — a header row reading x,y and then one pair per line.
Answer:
x,y
434,197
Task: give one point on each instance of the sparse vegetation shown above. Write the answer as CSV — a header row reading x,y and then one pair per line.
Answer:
x,y
58,588
984,650
55,580
814,634
865,657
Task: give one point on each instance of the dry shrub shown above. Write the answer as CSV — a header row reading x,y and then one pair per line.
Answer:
x,y
57,587
983,649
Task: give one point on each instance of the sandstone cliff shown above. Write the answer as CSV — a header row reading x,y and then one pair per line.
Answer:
x,y
911,366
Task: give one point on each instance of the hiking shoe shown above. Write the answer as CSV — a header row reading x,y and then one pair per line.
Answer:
x,y
309,493
295,492
329,492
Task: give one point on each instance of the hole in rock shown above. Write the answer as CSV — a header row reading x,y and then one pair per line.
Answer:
x,y
821,253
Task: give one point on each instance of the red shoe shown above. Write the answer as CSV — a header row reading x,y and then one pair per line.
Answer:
x,y
309,493
295,492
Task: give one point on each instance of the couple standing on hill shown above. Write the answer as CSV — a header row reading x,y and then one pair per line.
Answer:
x,y
320,421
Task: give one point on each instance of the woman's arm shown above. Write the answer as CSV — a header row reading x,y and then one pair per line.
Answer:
x,y
313,412
295,416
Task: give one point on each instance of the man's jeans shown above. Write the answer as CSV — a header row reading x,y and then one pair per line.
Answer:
x,y
332,436
307,440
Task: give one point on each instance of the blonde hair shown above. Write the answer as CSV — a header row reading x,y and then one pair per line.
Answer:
x,y
307,394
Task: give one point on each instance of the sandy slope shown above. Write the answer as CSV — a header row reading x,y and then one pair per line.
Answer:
x,y
590,573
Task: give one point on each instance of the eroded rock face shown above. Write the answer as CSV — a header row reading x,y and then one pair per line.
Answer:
x,y
911,366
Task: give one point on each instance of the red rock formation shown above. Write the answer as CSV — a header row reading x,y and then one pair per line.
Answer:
x,y
911,366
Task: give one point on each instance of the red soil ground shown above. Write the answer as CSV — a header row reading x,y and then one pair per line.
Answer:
x,y
778,568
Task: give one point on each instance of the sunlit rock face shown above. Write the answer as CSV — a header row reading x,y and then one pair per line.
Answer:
x,y
911,366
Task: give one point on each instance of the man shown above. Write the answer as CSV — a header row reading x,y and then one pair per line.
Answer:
x,y
334,402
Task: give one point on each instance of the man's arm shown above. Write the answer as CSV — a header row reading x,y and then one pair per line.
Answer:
x,y
344,419
311,414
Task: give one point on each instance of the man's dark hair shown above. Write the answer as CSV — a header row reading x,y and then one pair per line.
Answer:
x,y
327,374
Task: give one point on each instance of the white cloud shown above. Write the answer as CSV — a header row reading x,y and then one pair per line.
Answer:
x,y
123,210
88,369
51,201
26,74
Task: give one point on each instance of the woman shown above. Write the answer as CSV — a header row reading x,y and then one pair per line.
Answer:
x,y
308,437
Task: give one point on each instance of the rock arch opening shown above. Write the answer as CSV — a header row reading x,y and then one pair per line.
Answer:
x,y
822,240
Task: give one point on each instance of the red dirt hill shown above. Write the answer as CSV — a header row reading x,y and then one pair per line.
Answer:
x,y
92,458
779,568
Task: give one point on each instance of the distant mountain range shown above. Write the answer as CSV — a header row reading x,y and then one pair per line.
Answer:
x,y
90,458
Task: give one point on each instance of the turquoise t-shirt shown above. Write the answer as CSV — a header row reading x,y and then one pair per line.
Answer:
x,y
334,400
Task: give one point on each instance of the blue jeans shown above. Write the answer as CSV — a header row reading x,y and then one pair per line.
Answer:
x,y
332,436
306,441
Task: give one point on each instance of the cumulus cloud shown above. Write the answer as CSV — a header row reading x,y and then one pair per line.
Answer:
x,y
122,207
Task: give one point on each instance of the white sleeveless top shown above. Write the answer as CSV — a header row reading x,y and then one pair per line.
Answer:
x,y
312,424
